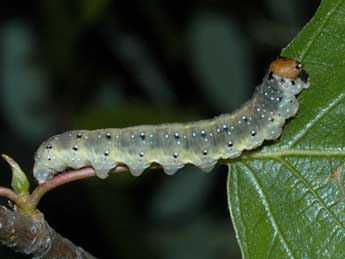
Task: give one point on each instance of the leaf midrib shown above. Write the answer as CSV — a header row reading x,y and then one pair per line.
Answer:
x,y
295,153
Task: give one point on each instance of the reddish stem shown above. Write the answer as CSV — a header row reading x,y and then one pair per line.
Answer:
x,y
66,177
9,194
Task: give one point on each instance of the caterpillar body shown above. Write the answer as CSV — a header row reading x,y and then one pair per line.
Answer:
x,y
174,145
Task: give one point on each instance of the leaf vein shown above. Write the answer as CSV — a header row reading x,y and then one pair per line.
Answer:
x,y
295,153
243,243
271,245
319,30
269,211
294,171
320,115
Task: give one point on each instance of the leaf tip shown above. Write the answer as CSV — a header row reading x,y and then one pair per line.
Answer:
x,y
20,183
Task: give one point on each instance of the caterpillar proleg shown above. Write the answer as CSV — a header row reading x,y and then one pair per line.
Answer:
x,y
174,145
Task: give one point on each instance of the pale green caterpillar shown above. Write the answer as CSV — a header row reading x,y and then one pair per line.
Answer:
x,y
172,146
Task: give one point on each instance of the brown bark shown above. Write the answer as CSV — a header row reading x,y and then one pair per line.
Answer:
x,y
24,228
31,234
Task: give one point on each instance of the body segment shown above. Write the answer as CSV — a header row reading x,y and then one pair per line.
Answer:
x,y
172,146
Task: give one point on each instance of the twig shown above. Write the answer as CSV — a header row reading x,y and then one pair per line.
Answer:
x,y
33,235
67,177
24,228
9,194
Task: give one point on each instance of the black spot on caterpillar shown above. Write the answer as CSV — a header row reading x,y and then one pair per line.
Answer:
x,y
174,145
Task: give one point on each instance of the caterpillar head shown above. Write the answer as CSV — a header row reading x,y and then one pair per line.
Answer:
x,y
292,76
287,68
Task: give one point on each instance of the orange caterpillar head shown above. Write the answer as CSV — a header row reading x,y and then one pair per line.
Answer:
x,y
287,68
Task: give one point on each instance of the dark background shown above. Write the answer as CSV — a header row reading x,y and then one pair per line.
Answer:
x,y
92,64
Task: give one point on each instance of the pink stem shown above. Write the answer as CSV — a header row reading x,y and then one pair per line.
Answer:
x,y
9,194
66,177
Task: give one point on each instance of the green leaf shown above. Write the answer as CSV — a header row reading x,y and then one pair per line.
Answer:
x,y
20,182
286,200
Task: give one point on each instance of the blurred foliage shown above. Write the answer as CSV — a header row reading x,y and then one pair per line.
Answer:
x,y
223,68
24,87
92,64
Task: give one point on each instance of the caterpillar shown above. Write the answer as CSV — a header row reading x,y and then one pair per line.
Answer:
x,y
172,146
